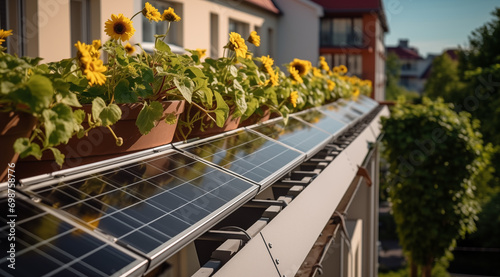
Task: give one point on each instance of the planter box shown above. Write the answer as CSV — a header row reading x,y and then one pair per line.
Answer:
x,y
99,144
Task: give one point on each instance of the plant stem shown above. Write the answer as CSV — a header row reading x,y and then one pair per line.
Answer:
x,y
166,33
136,14
67,74
205,111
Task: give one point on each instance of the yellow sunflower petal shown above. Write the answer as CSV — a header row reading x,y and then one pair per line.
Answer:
x,y
119,27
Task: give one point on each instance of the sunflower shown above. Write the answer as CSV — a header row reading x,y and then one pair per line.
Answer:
x,y
293,98
323,64
317,72
83,55
129,48
294,74
94,49
237,44
94,72
331,85
336,70
274,78
301,66
96,44
151,12
4,34
201,52
343,69
254,38
355,94
119,27
267,63
169,15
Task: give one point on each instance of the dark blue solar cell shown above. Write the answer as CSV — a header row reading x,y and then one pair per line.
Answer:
x,y
322,121
46,245
145,204
246,154
295,133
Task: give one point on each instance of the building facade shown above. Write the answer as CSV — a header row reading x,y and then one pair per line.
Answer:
x,y
50,28
352,33
414,68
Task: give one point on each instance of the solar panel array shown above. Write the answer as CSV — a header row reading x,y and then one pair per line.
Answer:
x,y
45,245
128,217
247,154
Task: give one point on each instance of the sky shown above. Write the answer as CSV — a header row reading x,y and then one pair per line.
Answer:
x,y
434,25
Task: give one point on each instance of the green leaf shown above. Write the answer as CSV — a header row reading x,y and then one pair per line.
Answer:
x,y
64,95
222,110
147,75
121,56
162,46
97,106
185,86
123,94
233,71
194,72
59,157
79,116
6,87
25,148
171,118
252,105
206,96
41,92
239,95
59,124
110,115
148,116
95,91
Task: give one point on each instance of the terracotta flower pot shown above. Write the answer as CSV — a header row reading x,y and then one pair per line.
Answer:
x,y
99,144
210,128
260,115
12,126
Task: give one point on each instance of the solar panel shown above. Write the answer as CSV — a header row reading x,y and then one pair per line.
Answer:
x,y
367,101
247,154
326,123
341,111
360,105
46,245
151,205
295,133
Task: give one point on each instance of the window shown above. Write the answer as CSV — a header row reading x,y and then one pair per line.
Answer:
x,y
11,18
257,50
149,29
341,31
353,62
214,35
270,42
239,27
80,23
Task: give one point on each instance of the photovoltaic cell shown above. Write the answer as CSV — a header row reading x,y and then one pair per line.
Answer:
x,y
321,120
295,133
367,101
247,154
146,205
341,111
45,245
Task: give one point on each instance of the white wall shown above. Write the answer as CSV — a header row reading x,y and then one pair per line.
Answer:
x,y
298,35
53,22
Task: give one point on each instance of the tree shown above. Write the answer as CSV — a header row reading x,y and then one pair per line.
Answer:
x,y
444,80
393,71
435,155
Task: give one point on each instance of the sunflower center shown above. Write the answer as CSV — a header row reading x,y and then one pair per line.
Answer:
x,y
119,28
300,68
